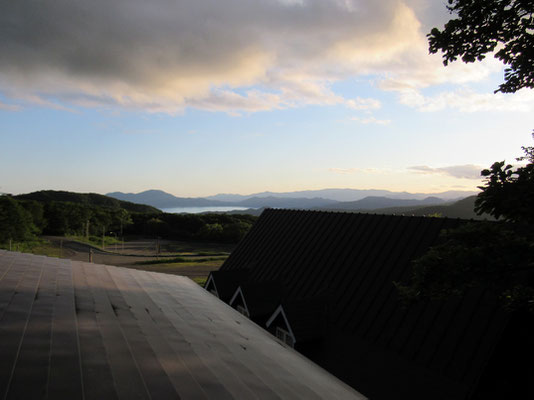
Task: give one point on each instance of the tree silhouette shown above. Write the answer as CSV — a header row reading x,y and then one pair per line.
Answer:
x,y
498,257
483,26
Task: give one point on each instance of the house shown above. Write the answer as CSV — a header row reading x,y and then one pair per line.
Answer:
x,y
75,330
328,279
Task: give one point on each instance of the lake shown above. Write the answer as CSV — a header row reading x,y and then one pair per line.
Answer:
x,y
197,210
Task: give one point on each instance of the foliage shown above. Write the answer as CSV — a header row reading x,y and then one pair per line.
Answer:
x,y
86,199
206,227
46,212
483,26
509,193
35,246
483,254
96,240
496,256
15,221
201,280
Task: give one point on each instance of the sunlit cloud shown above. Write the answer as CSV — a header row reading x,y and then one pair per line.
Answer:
x,y
469,101
235,56
468,171
165,57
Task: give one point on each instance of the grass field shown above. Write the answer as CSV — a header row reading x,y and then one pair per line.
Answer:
x,y
40,247
192,259
196,269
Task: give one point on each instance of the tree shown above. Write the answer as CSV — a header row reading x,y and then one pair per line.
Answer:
x,y
509,193
15,222
483,26
497,256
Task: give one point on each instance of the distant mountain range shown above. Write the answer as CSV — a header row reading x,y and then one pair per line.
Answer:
x,y
161,199
331,199
345,195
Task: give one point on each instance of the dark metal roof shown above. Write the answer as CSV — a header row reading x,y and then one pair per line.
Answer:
x,y
228,282
74,330
261,299
355,258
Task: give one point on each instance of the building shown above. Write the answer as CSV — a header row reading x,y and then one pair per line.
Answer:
x,y
74,330
328,281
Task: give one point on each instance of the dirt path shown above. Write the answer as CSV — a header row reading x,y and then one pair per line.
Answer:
x,y
132,252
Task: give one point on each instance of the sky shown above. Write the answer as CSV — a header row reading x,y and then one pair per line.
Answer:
x,y
199,97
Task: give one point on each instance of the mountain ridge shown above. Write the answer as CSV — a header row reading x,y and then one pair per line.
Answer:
x,y
378,199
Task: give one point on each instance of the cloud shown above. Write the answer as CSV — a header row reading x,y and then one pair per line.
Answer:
x,y
371,120
468,171
363,104
9,107
234,56
347,171
469,101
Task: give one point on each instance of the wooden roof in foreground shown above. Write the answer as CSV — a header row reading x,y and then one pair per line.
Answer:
x,y
74,330
437,350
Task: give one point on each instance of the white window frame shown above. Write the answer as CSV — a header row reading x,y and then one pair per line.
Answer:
x,y
285,336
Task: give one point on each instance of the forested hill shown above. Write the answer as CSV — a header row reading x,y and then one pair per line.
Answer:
x,y
24,217
86,199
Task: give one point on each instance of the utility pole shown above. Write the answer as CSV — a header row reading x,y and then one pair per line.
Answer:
x,y
103,234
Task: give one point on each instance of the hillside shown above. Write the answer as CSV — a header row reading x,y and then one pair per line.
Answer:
x,y
378,202
460,209
86,199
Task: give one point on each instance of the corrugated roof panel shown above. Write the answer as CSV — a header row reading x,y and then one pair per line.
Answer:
x,y
33,354
448,347
420,233
361,225
431,343
356,282
308,263
392,316
249,247
283,241
460,366
344,242
386,295
369,300
65,376
323,257
98,382
297,249
17,304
